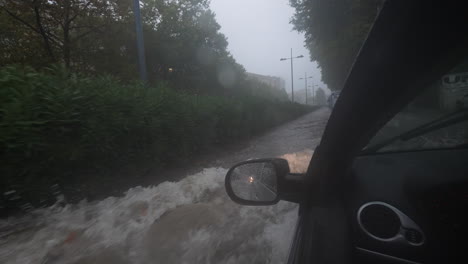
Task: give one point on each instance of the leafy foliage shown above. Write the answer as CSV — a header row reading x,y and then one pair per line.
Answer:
x,y
182,40
90,112
320,97
335,31
54,121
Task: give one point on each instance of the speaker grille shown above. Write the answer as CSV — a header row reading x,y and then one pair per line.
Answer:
x,y
380,221
413,236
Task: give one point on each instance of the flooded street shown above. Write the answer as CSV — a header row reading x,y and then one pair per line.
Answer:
x,y
189,221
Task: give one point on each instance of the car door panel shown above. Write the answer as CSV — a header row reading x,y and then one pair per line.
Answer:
x,y
427,191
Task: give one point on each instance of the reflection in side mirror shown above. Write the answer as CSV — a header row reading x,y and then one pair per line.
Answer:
x,y
256,182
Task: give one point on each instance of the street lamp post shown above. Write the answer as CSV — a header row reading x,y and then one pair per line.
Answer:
x,y
292,71
313,93
310,86
140,43
305,78
306,89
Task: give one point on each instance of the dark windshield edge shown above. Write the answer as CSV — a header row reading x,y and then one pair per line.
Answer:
x,y
444,121
457,147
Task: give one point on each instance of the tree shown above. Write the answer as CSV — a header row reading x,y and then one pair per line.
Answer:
x,y
182,40
334,31
60,24
320,97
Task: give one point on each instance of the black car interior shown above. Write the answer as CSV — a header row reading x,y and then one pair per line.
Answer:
x,y
428,188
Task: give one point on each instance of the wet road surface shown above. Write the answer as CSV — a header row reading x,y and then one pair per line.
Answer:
x,y
188,221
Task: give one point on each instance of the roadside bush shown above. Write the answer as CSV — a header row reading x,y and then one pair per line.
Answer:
x,y
52,122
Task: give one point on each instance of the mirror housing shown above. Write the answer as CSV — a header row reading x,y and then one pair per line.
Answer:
x,y
264,182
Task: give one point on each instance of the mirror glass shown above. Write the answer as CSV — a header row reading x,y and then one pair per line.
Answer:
x,y
255,181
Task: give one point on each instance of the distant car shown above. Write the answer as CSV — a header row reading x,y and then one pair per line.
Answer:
x,y
332,98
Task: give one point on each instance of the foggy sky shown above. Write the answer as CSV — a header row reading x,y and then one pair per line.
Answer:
x,y
259,34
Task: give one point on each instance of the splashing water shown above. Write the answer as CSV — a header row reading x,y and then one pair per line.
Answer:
x,y
190,221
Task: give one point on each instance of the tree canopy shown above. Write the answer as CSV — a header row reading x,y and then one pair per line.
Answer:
x,y
69,102
320,97
334,32
182,39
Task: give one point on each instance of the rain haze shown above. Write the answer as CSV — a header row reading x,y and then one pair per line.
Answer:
x,y
114,171
259,34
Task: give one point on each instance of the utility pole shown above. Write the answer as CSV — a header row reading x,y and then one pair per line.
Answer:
x,y
313,91
306,87
305,78
140,43
292,71
313,95
292,78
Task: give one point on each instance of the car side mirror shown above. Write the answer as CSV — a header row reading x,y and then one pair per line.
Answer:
x,y
264,182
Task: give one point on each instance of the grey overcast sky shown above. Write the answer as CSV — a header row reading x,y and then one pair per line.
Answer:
x,y
259,34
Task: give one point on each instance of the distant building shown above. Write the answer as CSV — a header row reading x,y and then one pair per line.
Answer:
x,y
275,82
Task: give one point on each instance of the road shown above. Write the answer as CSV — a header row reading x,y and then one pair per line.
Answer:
x,y
264,192
188,221
252,188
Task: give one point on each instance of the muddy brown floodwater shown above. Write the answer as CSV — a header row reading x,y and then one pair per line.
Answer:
x,y
190,220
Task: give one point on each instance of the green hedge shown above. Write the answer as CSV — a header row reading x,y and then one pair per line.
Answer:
x,y
53,121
